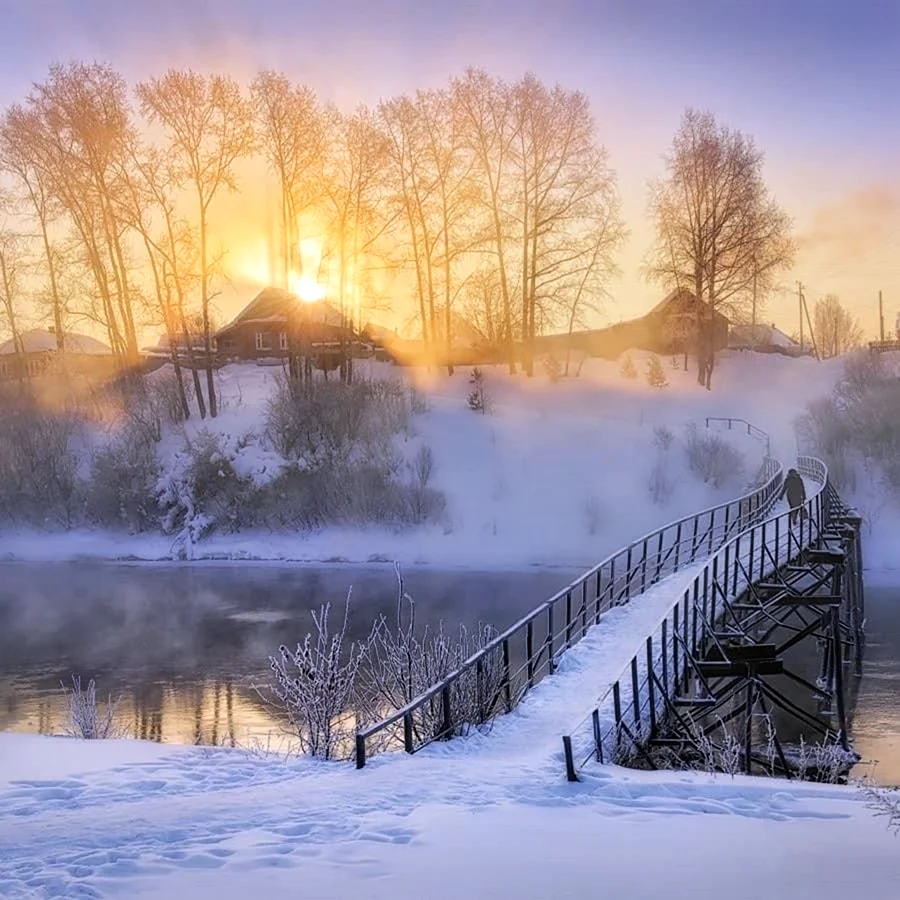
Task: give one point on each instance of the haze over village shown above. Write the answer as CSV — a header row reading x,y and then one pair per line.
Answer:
x,y
449,450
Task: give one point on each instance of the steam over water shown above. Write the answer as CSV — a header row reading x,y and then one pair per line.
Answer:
x,y
183,646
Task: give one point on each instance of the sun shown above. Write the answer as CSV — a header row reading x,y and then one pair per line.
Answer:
x,y
307,287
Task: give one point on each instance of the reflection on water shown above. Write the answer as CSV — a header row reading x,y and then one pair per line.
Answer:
x,y
182,647
876,725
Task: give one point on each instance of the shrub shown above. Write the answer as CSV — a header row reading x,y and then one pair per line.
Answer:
x,y
661,485
122,482
399,664
478,400
656,377
858,424
323,424
219,493
314,686
712,458
83,716
38,467
628,368
662,437
552,368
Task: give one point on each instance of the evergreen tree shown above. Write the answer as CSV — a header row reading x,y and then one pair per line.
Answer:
x,y
656,377
477,400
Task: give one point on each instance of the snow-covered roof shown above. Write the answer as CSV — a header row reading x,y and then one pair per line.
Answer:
x,y
38,340
761,335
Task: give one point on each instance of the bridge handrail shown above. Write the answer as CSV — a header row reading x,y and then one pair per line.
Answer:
x,y
671,548
753,430
817,510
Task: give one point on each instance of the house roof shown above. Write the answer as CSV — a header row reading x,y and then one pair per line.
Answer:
x,y
39,340
273,306
678,296
762,335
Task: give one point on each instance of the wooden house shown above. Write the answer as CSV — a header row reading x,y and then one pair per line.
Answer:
x,y
276,321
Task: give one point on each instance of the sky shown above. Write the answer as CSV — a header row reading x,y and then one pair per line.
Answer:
x,y
814,81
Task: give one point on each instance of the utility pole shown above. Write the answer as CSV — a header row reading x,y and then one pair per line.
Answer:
x,y
881,316
800,307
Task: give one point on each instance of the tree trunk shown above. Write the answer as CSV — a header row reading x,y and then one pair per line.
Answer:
x,y
204,305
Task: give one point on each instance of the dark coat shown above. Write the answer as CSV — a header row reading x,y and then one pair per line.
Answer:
x,y
795,490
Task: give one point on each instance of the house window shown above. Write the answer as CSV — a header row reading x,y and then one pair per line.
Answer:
x,y
263,340
229,343
283,340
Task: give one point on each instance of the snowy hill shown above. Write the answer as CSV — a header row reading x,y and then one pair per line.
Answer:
x,y
555,474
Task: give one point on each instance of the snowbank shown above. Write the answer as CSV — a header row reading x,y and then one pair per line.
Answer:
x,y
223,824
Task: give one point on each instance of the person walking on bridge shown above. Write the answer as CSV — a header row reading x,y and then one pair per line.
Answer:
x,y
795,490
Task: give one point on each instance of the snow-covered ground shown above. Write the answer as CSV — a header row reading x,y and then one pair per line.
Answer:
x,y
557,474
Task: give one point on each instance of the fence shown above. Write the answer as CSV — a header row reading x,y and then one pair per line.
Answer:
x,y
495,678
643,692
752,430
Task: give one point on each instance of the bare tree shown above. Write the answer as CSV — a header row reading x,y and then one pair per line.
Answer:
x,y
488,125
77,125
566,189
355,188
411,189
837,330
149,207
718,228
210,128
17,158
11,265
292,136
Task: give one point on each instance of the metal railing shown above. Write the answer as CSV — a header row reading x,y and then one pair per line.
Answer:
x,y
752,430
630,708
495,679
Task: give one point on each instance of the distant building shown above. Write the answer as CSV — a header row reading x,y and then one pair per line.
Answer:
x,y
40,351
765,339
275,320
669,328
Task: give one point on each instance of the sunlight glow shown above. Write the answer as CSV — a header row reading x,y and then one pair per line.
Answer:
x,y
306,285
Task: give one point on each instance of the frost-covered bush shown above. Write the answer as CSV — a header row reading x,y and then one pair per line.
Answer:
x,y
858,425
400,663
38,465
314,686
164,394
628,368
84,718
121,487
341,464
324,424
661,484
712,458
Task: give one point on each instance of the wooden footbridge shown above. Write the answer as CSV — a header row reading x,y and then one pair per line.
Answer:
x,y
715,662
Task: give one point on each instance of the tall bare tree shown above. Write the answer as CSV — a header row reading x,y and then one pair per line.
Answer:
x,y
355,189
292,135
150,207
836,329
210,127
11,271
18,159
718,228
78,127
486,111
411,188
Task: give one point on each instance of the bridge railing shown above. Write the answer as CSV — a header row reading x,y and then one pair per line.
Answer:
x,y
493,680
629,708
752,430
